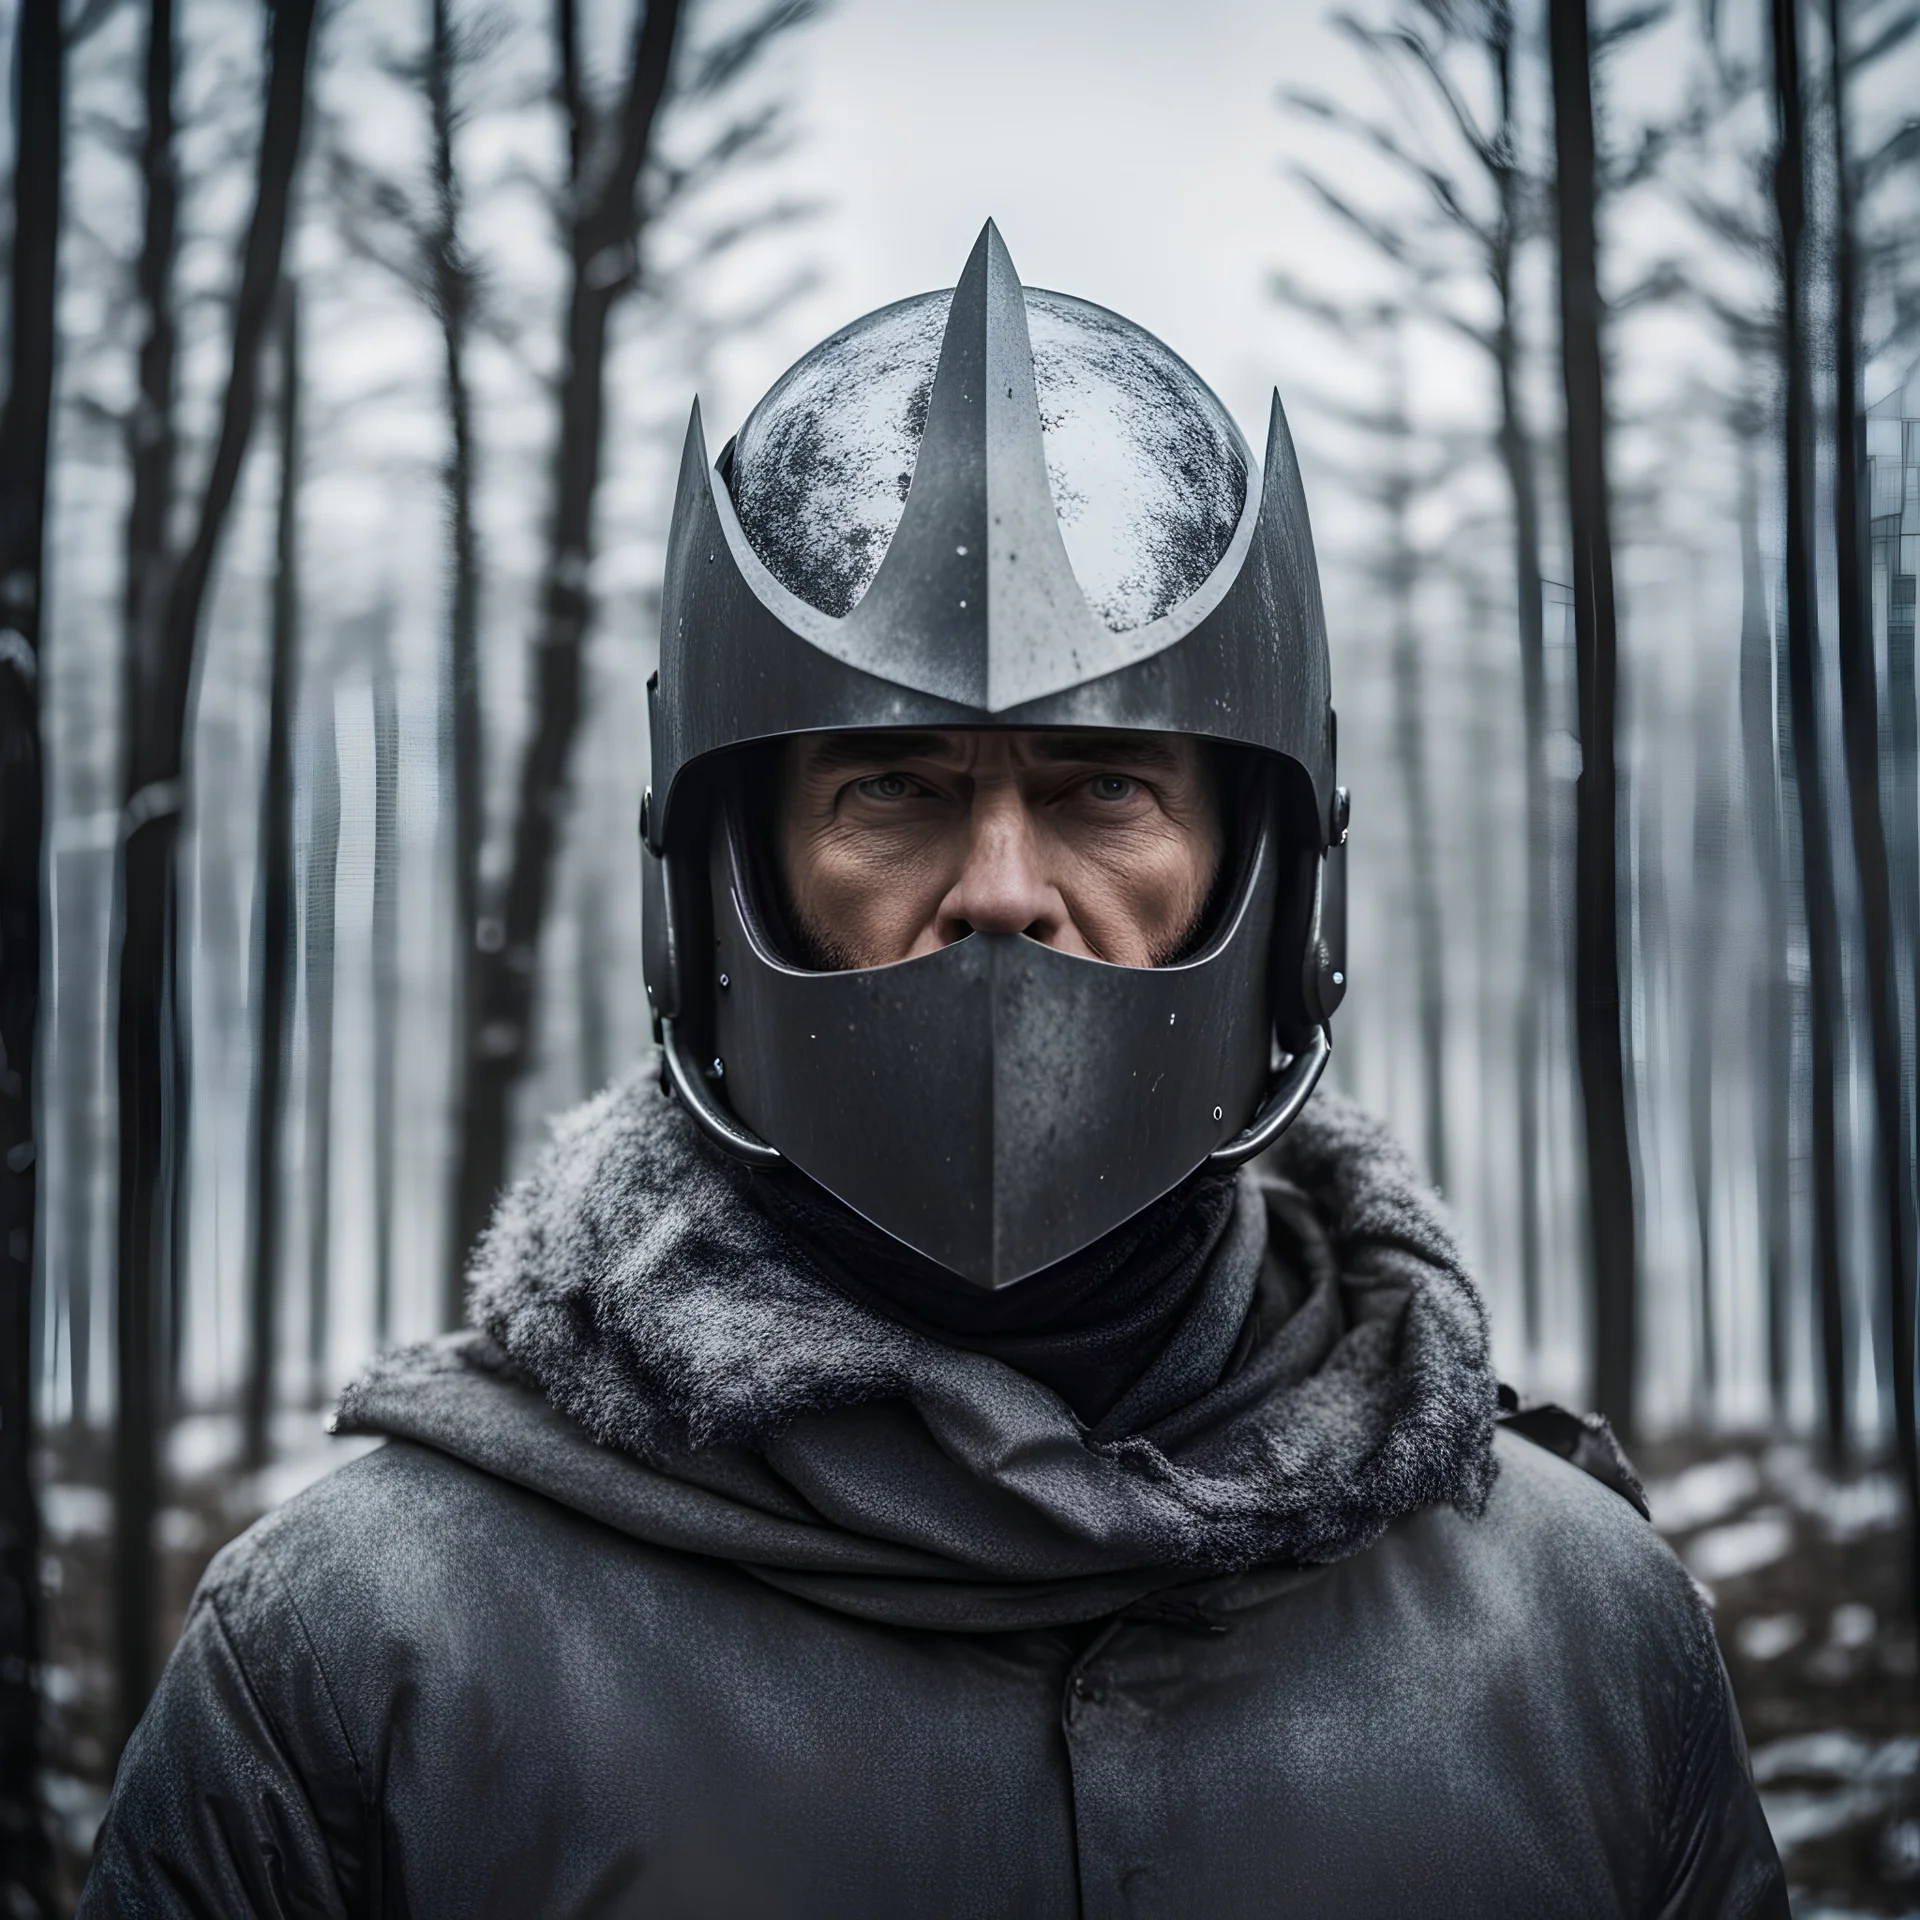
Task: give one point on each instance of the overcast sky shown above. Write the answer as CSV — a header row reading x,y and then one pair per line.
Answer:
x,y
1130,151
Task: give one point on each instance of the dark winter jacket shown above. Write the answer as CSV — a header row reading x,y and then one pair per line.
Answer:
x,y
687,1586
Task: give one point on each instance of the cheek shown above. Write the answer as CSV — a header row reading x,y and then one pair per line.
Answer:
x,y
867,895
1136,892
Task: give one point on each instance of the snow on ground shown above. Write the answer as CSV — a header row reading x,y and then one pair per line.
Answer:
x,y
1806,1570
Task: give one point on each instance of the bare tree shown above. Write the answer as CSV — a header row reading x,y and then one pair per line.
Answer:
x,y
152,441
317,949
77,899
1740,220
1711,827
1390,479
454,280
1903,791
604,222
273,911
385,940
1860,732
160,681
1888,268
1396,493
148,1057
1771,1013
25,424
1420,43
1597,998
419,239
1802,647
616,186
1887,262
1888,271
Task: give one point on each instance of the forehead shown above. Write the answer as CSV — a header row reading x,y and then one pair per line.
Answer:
x,y
826,752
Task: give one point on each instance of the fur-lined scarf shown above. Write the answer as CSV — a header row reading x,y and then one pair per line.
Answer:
x,y
653,1348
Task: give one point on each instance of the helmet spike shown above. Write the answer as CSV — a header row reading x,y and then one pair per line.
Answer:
x,y
979,536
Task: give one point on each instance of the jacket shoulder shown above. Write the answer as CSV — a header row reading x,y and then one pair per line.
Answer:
x,y
1560,1580
1556,1577
1634,1634
387,1501
1578,1542
399,1534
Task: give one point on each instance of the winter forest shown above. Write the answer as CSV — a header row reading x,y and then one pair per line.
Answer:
x,y
349,353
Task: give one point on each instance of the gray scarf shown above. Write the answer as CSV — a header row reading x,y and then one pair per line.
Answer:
x,y
652,1349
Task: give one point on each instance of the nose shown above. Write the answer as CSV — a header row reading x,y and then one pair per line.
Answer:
x,y
1002,885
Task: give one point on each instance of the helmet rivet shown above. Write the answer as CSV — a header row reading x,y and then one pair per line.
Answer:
x,y
961,551
1219,1113
719,1068
725,982
1339,978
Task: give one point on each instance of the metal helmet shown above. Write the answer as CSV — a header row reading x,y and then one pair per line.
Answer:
x,y
996,508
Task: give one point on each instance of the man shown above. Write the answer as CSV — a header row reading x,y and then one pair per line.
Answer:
x,y
918,1468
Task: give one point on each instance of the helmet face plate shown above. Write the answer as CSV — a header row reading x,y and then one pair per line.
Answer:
x,y
997,1104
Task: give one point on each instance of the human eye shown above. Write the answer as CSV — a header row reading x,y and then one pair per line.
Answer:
x,y
1113,787
886,786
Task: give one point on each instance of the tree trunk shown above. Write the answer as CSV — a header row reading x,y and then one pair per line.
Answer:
x,y
143,1043
152,440
385,940
273,921
1410,750
25,431
1860,731
1610,1196
1516,454
1486,842
148,1065
466,787
1516,459
602,244
1709,905
1903,757
1772,1007
77,899
323,861
593,959
1410,723
1816,851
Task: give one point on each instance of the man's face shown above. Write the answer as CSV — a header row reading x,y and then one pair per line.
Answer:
x,y
896,844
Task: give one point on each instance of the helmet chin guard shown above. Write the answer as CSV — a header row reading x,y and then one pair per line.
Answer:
x,y
998,1104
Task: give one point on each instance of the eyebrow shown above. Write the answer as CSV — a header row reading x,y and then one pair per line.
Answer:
x,y
1109,749
835,750
839,750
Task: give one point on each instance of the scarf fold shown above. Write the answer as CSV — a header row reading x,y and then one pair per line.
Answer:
x,y
657,1349
1089,1328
